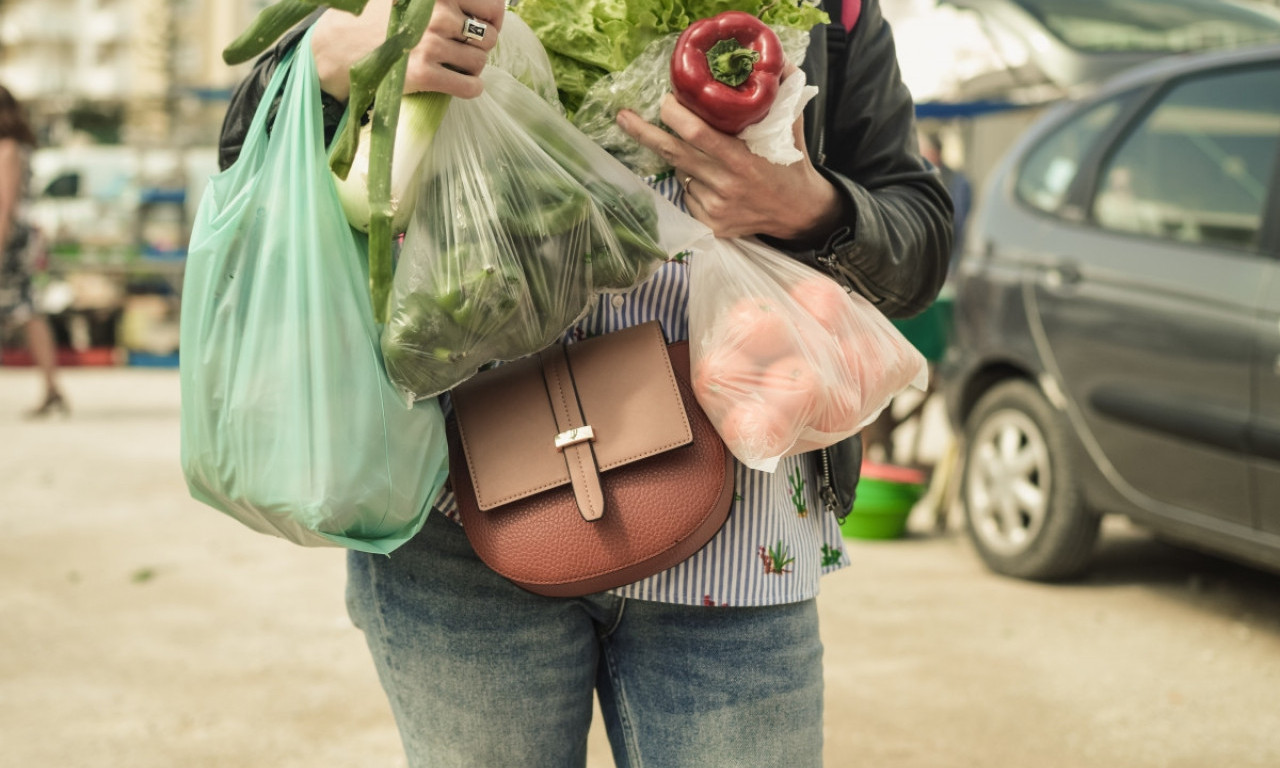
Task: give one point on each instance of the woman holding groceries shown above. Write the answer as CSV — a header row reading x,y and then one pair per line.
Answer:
x,y
716,661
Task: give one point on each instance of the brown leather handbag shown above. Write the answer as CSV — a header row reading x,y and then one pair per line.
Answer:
x,y
588,466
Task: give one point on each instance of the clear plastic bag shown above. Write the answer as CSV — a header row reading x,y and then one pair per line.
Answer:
x,y
520,54
520,222
784,360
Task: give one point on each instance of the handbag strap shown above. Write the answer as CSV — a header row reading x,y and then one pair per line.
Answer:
x,y
851,12
844,13
575,435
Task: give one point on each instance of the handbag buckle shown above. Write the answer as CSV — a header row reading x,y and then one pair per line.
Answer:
x,y
574,436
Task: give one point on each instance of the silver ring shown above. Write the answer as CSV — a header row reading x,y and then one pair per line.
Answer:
x,y
474,29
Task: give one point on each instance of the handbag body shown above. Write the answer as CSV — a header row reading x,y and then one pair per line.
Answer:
x,y
589,466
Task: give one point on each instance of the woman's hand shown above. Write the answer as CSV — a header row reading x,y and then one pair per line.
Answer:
x,y
731,190
445,60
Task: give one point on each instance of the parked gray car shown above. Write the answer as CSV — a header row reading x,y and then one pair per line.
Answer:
x,y
1116,339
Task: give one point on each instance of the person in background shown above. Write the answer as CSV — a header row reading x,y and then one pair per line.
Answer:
x,y
717,661
957,184
21,241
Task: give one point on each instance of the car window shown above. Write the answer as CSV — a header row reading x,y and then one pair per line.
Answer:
x,y
1196,169
1049,169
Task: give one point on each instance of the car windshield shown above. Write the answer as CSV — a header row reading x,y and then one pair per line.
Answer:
x,y
1153,26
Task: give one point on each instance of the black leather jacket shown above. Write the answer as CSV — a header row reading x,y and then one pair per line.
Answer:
x,y
861,134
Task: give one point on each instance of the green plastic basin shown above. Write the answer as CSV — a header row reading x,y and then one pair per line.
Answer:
x,y
882,506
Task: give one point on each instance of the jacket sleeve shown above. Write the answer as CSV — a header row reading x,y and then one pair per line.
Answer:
x,y
895,247
247,95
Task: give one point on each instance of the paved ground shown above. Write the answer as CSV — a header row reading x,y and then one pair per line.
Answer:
x,y
141,630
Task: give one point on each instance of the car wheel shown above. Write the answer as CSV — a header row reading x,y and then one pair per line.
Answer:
x,y
1022,507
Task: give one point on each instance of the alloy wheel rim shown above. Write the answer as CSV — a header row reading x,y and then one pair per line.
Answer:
x,y
1008,480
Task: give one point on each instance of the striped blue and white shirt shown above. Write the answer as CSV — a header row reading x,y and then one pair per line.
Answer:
x,y
778,541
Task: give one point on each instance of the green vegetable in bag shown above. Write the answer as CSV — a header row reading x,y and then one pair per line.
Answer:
x,y
381,72
521,221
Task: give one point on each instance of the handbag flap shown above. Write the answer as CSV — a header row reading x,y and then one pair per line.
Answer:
x,y
627,393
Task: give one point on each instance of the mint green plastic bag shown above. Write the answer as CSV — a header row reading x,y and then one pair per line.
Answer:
x,y
289,422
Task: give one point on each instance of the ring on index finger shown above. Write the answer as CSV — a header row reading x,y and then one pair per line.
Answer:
x,y
474,29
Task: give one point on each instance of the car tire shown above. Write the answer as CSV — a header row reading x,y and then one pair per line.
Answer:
x,y
1023,511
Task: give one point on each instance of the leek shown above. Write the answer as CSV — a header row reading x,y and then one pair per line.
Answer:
x,y
381,74
274,20
419,119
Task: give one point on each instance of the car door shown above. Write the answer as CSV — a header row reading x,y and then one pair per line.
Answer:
x,y
1146,311
1265,433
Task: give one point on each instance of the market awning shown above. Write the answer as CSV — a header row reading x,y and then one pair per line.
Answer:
x,y
943,110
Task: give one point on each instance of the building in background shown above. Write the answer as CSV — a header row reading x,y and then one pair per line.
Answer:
x,y
141,72
127,98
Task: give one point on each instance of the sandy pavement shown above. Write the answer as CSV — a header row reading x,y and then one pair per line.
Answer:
x,y
139,629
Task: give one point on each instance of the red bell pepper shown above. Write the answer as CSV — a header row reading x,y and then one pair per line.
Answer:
x,y
726,70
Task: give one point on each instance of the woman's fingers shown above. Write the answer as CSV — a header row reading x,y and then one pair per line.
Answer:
x,y
341,39
678,150
489,13
728,188
695,131
449,58
455,48
695,148
473,22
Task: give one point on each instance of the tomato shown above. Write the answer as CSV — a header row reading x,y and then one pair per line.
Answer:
x,y
723,376
758,327
883,367
754,431
840,412
768,415
790,387
867,369
841,397
823,298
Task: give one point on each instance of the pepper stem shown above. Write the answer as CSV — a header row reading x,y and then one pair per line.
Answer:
x,y
731,62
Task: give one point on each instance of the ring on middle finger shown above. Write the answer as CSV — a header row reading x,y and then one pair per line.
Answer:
x,y
474,29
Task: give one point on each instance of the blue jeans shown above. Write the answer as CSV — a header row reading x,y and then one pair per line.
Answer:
x,y
482,673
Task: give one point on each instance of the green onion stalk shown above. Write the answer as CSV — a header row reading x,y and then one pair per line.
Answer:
x,y
408,23
276,19
377,80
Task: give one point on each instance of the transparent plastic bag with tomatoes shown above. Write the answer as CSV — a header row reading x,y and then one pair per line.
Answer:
x,y
784,360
